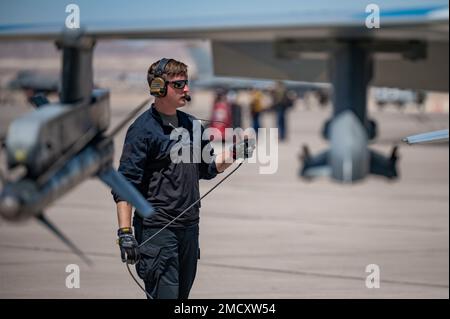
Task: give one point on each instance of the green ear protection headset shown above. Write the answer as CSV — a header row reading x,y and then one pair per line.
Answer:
x,y
158,86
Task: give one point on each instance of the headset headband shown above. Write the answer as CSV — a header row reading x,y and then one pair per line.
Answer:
x,y
161,66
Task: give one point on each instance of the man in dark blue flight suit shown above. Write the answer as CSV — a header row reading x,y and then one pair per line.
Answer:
x,y
168,262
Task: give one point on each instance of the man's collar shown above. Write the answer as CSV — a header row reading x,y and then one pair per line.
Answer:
x,y
155,114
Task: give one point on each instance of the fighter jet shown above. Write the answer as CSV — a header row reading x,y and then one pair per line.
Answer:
x,y
351,44
399,98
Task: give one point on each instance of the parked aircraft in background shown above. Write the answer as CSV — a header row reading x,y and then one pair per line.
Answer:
x,y
205,78
399,98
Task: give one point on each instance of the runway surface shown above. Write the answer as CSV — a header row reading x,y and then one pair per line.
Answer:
x,y
266,236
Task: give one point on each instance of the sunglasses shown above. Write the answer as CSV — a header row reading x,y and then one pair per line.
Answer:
x,y
180,84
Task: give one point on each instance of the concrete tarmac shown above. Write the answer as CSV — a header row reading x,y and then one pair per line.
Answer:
x,y
266,236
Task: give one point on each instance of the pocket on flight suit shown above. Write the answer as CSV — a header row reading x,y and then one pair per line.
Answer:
x,y
148,264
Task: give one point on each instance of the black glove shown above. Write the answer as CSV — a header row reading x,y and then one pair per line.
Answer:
x,y
243,149
129,248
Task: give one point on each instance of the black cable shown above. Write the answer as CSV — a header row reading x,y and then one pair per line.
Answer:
x,y
190,206
211,121
137,282
148,239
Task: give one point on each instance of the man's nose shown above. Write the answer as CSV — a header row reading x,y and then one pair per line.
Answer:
x,y
186,88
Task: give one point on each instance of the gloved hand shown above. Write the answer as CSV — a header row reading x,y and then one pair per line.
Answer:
x,y
243,149
129,248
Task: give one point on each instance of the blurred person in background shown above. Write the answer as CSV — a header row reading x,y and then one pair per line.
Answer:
x,y
256,108
282,101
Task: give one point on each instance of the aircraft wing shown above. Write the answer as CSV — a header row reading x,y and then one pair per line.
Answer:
x,y
247,35
224,20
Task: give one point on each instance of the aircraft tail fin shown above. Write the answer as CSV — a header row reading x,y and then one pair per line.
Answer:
x,y
384,166
314,166
318,165
203,61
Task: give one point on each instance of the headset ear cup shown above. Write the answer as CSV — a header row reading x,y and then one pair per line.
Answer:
x,y
164,90
158,87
